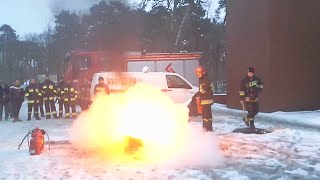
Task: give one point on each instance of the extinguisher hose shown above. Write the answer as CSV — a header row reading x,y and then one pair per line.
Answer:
x,y
48,140
26,136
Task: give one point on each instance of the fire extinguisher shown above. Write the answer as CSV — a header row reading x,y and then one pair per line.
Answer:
x,y
36,143
199,108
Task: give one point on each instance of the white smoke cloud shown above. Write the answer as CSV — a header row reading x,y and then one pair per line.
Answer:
x,y
144,125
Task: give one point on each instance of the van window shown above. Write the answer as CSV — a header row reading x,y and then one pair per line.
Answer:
x,y
174,81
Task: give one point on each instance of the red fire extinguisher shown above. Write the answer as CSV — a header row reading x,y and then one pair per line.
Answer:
x,y
36,143
199,108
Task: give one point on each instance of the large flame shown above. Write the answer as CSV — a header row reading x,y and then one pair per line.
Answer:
x,y
142,123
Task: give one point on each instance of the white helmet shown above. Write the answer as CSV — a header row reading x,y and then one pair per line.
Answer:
x,y
145,69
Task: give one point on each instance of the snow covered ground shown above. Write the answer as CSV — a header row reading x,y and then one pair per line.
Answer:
x,y
292,152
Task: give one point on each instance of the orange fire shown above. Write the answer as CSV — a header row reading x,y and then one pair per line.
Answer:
x,y
141,124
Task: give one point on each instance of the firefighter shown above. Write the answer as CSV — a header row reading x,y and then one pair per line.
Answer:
x,y
16,98
85,94
70,96
206,97
33,93
49,91
101,87
60,88
40,104
250,88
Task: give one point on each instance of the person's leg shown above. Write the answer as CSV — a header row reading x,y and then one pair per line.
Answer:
x,y
36,111
14,111
73,108
18,110
6,110
67,109
30,105
60,108
207,117
251,114
1,110
47,107
41,108
53,109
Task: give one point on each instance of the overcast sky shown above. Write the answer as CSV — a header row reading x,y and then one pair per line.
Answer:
x,y
32,16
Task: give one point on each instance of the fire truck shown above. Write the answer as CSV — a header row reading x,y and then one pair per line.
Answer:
x,y
81,64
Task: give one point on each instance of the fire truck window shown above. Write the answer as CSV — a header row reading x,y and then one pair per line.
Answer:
x,y
80,64
84,63
106,63
174,81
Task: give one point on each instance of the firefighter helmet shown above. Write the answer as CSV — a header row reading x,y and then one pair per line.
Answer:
x,y
145,69
200,71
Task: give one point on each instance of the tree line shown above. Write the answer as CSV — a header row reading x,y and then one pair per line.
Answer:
x,y
168,26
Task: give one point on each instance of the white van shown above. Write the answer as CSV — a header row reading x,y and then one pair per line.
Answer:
x,y
174,85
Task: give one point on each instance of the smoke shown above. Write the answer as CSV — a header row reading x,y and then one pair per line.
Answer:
x,y
78,6
143,125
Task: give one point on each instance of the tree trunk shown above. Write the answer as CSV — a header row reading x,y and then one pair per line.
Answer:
x,y
183,22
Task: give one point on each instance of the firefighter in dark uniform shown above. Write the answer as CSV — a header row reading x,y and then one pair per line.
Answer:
x,y
32,93
85,94
250,88
206,97
101,87
59,89
40,104
70,96
49,92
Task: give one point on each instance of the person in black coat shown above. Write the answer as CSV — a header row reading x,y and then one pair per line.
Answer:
x,y
59,88
16,97
250,88
40,104
4,100
32,93
206,97
70,96
48,93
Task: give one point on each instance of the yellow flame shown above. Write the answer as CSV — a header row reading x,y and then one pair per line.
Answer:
x,y
140,124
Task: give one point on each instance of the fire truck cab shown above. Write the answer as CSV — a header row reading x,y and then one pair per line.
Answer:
x,y
83,64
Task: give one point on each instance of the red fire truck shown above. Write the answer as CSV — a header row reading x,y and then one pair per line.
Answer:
x,y
80,64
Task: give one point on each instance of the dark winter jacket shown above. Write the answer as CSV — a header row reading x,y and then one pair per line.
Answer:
x,y
69,93
16,94
205,90
59,89
101,88
32,93
250,89
48,90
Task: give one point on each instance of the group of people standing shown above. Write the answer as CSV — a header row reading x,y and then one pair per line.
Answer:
x,y
45,94
11,98
250,87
